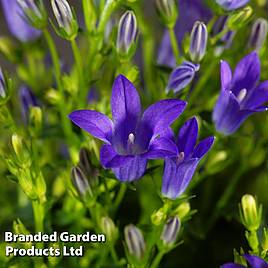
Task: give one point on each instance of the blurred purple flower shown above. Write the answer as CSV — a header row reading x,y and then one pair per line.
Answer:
x,y
182,76
93,95
241,94
179,169
28,100
17,23
232,4
253,261
132,137
189,12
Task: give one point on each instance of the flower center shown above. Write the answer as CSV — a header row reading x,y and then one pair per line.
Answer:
x,y
241,95
131,138
180,157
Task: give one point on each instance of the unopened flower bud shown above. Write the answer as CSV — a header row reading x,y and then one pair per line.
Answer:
x,y
28,100
68,26
167,11
80,182
36,119
258,34
265,240
170,231
250,213
3,86
34,12
127,34
20,148
19,227
182,76
158,216
109,228
135,241
240,18
87,167
198,46
183,210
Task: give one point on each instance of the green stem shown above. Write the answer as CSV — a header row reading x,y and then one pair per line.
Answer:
x,y
89,14
79,65
56,63
201,83
157,259
174,44
109,7
38,212
253,241
119,197
113,254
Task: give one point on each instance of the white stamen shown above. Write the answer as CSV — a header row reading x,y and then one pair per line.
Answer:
x,y
131,138
180,157
242,94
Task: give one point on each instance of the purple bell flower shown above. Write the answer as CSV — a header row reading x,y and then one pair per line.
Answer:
x,y
253,261
190,11
182,76
28,100
232,4
241,94
132,137
179,169
16,23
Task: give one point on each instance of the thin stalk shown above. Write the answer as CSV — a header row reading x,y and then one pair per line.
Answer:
x,y
79,65
38,212
56,63
157,259
119,197
174,44
109,7
89,14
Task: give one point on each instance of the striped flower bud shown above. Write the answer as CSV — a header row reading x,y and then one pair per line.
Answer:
x,y
167,11
68,26
170,231
199,36
135,241
21,150
80,182
3,86
258,34
182,76
28,100
34,12
250,213
109,228
127,34
87,167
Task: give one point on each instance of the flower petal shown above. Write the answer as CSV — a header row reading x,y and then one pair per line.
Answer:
x,y
188,136
232,265
161,148
110,159
95,123
131,171
126,109
16,23
256,262
203,147
226,75
159,116
177,177
247,73
225,109
257,96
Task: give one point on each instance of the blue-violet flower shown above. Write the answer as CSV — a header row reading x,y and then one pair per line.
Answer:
x,y
131,137
241,94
